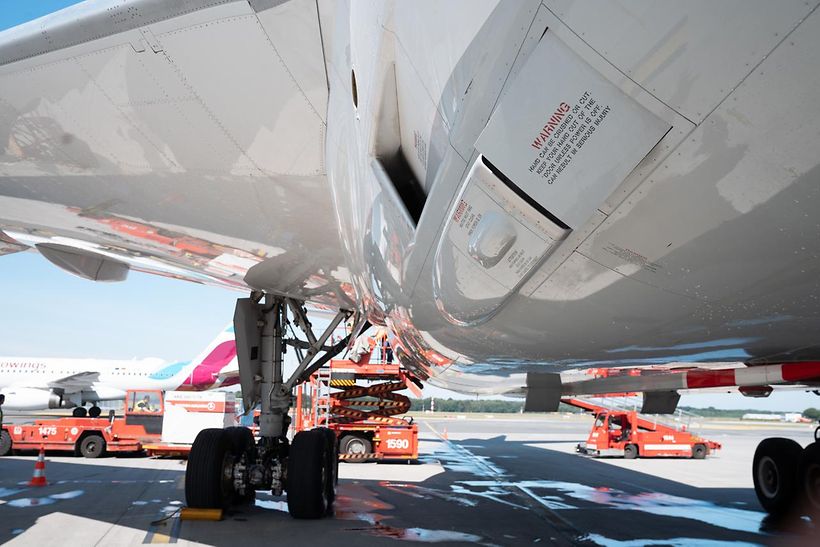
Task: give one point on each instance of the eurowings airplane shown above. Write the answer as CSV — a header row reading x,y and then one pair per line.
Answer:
x,y
37,383
519,189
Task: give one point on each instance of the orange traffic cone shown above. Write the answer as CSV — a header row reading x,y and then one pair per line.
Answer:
x,y
444,435
39,477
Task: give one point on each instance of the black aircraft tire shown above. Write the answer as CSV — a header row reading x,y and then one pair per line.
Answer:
x,y
5,443
775,474
332,450
630,452
810,478
94,412
308,475
92,446
79,412
205,486
241,441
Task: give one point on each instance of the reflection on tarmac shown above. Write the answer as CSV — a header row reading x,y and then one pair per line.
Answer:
x,y
493,482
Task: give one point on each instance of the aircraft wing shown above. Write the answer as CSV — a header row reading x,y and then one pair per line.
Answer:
x,y
9,246
76,382
120,149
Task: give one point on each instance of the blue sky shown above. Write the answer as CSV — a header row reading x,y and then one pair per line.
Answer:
x,y
45,312
14,12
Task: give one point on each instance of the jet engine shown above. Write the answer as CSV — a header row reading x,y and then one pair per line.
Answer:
x,y
26,398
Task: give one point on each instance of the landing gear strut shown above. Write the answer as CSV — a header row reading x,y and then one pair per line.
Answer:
x,y
787,477
225,466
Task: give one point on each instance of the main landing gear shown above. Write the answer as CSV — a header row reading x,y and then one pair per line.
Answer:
x,y
787,477
226,466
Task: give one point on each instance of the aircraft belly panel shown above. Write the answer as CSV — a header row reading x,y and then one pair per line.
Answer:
x,y
565,135
734,210
671,48
704,252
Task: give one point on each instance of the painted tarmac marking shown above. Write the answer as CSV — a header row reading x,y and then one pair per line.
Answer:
x,y
45,500
166,528
672,542
571,535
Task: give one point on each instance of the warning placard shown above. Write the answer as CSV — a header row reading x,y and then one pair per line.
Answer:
x,y
565,135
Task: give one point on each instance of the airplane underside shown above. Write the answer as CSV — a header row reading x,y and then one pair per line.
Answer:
x,y
517,189
656,205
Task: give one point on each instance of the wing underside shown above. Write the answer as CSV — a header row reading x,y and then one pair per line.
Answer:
x,y
116,139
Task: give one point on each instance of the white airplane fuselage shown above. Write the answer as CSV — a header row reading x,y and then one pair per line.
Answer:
x,y
31,383
26,382
504,184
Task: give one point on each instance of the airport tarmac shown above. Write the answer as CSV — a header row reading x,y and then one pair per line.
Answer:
x,y
502,480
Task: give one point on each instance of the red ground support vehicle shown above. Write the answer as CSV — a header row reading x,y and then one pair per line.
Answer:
x,y
364,417
628,434
92,437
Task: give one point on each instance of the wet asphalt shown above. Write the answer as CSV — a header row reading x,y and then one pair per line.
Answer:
x,y
504,480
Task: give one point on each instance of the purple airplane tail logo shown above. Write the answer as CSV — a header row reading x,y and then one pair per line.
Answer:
x,y
206,373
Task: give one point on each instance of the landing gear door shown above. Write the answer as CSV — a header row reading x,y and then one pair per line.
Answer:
x,y
248,341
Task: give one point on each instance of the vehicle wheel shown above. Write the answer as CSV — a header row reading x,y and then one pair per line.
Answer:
x,y
354,445
94,411
208,480
774,471
630,452
332,462
5,443
699,451
242,442
92,446
79,412
308,475
817,434
810,477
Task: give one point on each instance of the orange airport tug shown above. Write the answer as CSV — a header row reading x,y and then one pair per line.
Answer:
x,y
92,437
359,401
628,434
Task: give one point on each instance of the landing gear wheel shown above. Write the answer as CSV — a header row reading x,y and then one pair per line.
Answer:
x,y
94,411
242,442
309,475
699,451
208,479
79,412
5,443
630,452
92,446
810,478
774,470
353,445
